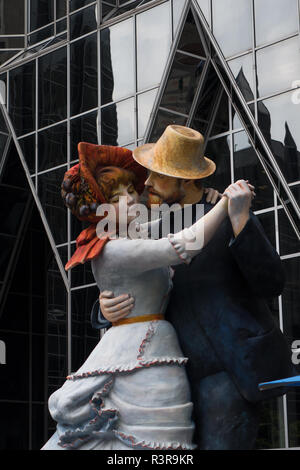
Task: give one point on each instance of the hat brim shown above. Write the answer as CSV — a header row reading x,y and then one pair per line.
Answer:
x,y
145,156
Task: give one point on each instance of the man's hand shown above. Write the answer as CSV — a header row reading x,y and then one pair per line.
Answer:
x,y
212,195
240,195
115,308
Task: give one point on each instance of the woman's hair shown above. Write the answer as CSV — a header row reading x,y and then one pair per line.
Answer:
x,y
110,177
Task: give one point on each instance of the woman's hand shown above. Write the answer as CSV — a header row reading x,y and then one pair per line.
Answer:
x,y
115,308
240,196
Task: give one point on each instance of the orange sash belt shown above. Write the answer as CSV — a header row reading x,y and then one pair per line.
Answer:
x,y
141,318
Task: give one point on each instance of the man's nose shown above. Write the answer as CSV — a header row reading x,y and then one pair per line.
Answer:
x,y
148,181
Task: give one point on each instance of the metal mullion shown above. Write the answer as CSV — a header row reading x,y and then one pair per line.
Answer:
x,y
49,170
71,13
197,92
135,65
36,121
190,54
246,109
84,286
277,41
212,120
231,142
166,72
292,255
171,111
273,95
42,27
202,38
4,155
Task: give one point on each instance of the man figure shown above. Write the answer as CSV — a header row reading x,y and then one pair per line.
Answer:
x,y
218,309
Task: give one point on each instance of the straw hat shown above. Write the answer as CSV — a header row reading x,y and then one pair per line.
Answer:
x,y
179,152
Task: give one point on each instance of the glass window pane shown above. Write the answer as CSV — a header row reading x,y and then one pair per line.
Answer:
x,y
61,8
288,241
182,82
221,122
61,26
218,150
117,62
28,148
275,19
15,386
163,119
248,167
177,10
279,120
11,211
153,45
52,87
190,40
145,105
83,75
204,5
267,221
232,25
52,147
5,56
41,13
41,35
117,123
22,98
83,22
83,129
75,4
242,69
11,43
10,22
278,66
56,213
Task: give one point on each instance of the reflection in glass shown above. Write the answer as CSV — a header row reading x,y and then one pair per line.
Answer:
x,y
28,148
248,167
145,105
22,98
190,40
41,13
52,147
242,69
271,427
280,21
267,221
13,173
205,7
52,87
278,118
153,44
177,11
3,140
75,4
11,211
61,26
288,241
82,22
81,274
221,122
163,119
278,66
6,55
52,203
83,74
16,386
11,42
182,82
83,129
117,123
117,61
10,22
232,25
61,8
218,150
40,35
8,243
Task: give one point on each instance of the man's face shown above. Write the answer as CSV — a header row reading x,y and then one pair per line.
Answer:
x,y
163,188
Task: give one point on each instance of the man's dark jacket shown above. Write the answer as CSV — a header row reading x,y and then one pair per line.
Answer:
x,y
218,307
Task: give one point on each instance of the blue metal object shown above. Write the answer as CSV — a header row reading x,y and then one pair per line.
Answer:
x,y
289,382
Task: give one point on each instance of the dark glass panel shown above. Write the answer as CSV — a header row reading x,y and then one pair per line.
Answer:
x,y
163,119
49,193
178,6
248,167
13,173
117,123
61,8
3,140
39,309
52,147
41,13
40,35
76,227
271,426
267,220
15,421
278,66
22,98
84,337
83,129
145,105
8,244
82,274
218,150
61,26
190,40
38,417
153,45
52,87
242,69
38,362
82,22
16,312
182,82
4,56
232,25
11,43
221,122
75,4
293,416
28,148
14,377
275,19
279,120
117,61
12,208
10,22
288,241
207,101
83,74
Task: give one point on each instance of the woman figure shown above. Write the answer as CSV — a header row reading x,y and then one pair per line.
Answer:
x,y
132,391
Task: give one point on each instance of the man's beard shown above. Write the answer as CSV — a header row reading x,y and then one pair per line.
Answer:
x,y
154,198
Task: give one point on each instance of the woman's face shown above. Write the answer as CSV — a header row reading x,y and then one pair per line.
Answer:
x,y
129,197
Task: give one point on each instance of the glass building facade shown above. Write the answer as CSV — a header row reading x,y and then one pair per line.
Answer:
x,y
117,72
